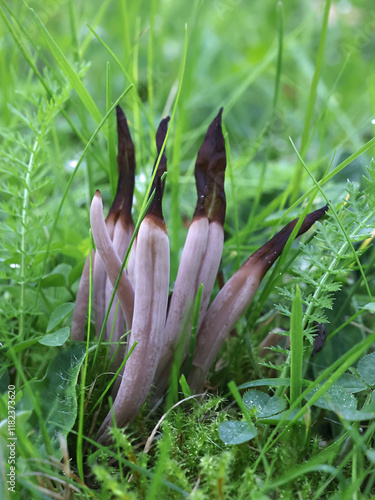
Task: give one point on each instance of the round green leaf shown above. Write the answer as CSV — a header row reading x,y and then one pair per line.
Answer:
x,y
256,399
236,432
264,404
366,368
275,405
336,399
350,383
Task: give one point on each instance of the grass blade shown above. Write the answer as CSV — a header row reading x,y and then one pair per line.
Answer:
x,y
296,348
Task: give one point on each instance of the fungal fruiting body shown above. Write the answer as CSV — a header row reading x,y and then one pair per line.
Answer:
x,y
202,251
150,304
156,330
234,298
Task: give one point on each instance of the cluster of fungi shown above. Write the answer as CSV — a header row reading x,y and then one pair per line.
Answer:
x,y
158,323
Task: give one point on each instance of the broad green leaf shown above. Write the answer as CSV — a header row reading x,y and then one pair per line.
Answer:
x,y
350,383
366,368
336,399
57,398
56,338
236,432
59,314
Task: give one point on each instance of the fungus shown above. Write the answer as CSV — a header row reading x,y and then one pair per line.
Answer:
x,y
143,288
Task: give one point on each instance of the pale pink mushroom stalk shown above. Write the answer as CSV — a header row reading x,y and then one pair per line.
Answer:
x,y
234,298
111,261
199,262
79,313
150,307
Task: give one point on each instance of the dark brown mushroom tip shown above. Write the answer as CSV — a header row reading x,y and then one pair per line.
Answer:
x,y
122,204
210,172
155,207
320,337
268,253
161,133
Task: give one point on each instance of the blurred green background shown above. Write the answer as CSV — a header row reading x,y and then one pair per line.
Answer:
x,y
232,54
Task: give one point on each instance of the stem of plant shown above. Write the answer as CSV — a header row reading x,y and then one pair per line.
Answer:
x,y
296,348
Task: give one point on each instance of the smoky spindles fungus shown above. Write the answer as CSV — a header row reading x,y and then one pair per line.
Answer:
x,y
155,329
193,270
234,298
111,261
150,306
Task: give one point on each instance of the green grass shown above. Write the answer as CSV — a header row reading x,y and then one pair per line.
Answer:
x,y
296,80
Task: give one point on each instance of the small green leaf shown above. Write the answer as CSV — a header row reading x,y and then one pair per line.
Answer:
x,y
56,338
237,432
59,314
336,399
366,368
350,383
275,405
370,307
264,404
255,399
54,279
